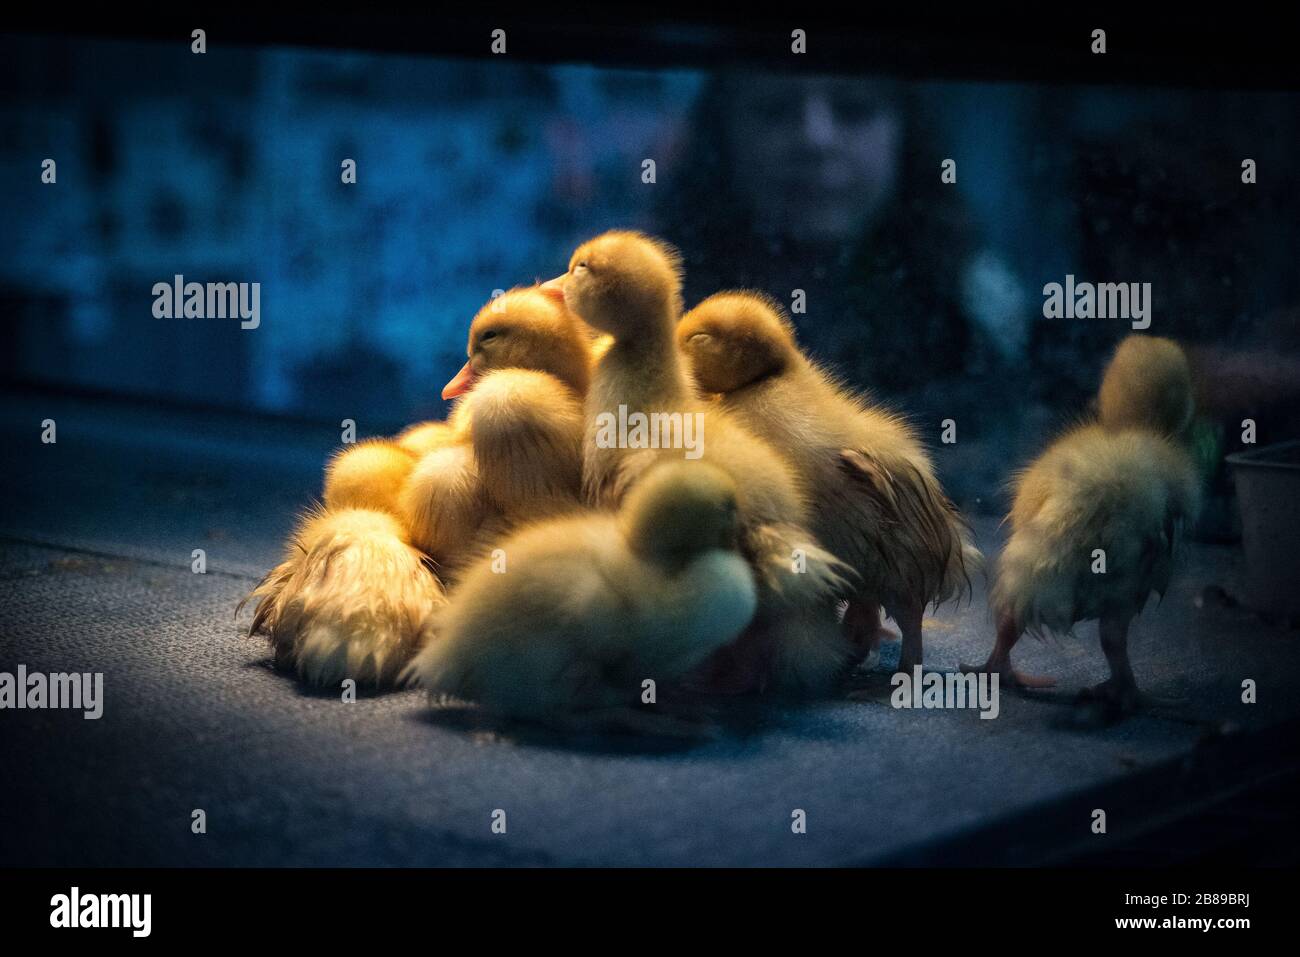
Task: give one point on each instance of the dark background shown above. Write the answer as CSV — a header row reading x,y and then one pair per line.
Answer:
x,y
775,171
479,172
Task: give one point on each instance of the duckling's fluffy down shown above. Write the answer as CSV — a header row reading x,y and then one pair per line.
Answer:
x,y
1126,492
369,474
876,502
526,431
516,457
351,596
577,620
350,600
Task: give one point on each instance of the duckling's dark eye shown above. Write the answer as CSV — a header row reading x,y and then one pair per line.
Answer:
x,y
581,265
490,334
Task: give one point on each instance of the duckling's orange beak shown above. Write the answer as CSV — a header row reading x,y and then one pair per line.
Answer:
x,y
460,384
554,288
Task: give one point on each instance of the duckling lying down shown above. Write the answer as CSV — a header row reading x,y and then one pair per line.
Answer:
x,y
348,600
571,617
1118,490
351,597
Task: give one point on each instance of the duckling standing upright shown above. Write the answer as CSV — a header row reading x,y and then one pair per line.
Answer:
x,y
1117,492
587,608
875,500
355,589
628,285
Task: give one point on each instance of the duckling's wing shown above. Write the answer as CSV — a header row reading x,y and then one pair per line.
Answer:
x,y
871,489
909,500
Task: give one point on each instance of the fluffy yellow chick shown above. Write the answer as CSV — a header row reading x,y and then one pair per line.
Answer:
x,y
351,595
874,496
1117,491
425,437
875,500
515,451
571,616
349,600
369,474
628,286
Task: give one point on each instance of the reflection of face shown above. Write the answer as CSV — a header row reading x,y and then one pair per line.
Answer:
x,y
814,157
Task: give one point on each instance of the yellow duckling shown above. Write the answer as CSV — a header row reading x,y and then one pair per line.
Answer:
x,y
355,587
514,450
570,618
348,601
628,286
875,500
1096,517
351,595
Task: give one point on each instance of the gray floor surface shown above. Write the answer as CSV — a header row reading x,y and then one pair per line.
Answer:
x,y
95,548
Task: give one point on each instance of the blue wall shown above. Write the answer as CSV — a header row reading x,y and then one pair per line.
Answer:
x,y
474,176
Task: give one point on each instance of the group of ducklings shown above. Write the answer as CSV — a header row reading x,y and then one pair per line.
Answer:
x,y
508,557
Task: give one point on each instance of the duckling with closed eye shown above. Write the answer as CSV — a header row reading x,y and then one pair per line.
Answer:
x,y
876,502
628,286
586,609
352,594
515,454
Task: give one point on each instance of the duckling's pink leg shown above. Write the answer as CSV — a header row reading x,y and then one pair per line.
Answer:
x,y
1000,661
1121,687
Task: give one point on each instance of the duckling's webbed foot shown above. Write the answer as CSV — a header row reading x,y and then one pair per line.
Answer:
x,y
1106,703
1009,677
999,662
1118,695
1121,687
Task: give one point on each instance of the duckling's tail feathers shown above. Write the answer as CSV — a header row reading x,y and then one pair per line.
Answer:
x,y
925,530
349,600
1047,576
269,593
